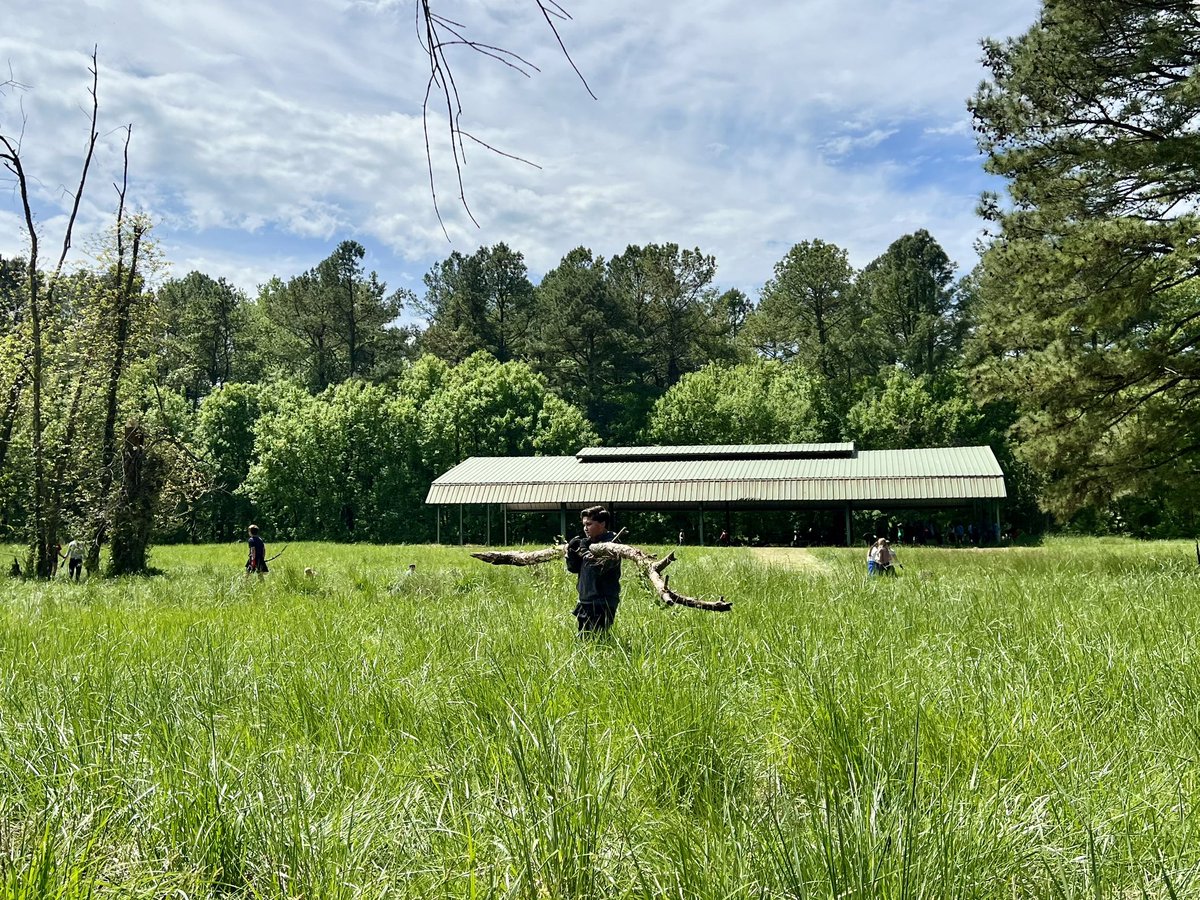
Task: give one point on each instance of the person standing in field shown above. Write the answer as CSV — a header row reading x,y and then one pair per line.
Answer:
x,y
257,561
599,581
880,558
74,559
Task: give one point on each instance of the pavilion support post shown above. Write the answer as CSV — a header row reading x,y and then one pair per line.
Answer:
x,y
849,541
488,507
996,504
562,519
505,514
437,513
460,525
701,524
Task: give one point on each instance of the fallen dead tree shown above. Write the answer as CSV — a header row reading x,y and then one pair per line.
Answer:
x,y
650,565
513,558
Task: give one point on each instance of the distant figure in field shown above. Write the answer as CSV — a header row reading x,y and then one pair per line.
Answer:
x,y
680,537
412,567
723,538
599,581
881,558
15,569
74,559
257,560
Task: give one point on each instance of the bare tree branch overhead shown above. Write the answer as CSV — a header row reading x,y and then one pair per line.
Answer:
x,y
437,34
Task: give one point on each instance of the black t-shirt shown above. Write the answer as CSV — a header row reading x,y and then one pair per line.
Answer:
x,y
599,580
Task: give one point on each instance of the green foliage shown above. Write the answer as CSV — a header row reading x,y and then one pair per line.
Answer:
x,y
207,339
333,466
483,302
355,462
332,322
677,321
762,402
1088,304
908,294
809,312
582,342
910,411
488,408
224,439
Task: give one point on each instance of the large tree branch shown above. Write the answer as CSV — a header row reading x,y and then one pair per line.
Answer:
x,y
652,567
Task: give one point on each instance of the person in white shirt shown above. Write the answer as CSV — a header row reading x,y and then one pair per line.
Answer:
x,y
881,558
75,553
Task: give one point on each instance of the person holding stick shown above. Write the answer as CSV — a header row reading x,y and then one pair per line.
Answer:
x,y
598,581
257,560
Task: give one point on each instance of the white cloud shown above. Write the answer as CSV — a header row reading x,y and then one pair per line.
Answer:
x,y
717,124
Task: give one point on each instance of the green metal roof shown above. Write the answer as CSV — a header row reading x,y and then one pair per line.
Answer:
x,y
943,475
714,451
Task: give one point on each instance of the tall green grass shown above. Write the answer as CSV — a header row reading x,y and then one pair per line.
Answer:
x,y
1015,723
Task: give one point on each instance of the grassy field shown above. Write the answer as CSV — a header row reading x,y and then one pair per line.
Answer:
x,y
1009,723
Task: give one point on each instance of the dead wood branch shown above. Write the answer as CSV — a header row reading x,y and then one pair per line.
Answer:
x,y
650,564
516,558
653,567
436,34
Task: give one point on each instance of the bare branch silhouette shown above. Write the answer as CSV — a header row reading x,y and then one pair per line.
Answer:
x,y
437,34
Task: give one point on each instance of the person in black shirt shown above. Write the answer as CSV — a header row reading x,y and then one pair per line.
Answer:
x,y
599,581
257,561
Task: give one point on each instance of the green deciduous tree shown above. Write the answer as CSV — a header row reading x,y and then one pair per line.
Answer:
x,y
910,410
1089,307
333,467
488,408
224,440
762,402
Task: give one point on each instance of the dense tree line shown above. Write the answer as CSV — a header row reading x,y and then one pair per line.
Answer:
x,y
311,409
324,405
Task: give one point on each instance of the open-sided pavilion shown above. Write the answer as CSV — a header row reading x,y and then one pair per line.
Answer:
x,y
727,478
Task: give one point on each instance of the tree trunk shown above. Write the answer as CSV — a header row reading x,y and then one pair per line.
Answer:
x,y
133,512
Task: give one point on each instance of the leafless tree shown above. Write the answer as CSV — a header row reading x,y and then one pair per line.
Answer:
x,y
31,369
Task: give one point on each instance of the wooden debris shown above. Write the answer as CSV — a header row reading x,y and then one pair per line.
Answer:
x,y
650,564
653,568
515,558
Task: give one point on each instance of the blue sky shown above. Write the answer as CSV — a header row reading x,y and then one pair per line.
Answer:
x,y
267,132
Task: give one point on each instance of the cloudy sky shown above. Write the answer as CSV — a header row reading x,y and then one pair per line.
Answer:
x,y
266,131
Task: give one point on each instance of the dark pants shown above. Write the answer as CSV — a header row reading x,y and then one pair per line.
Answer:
x,y
74,567
596,616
